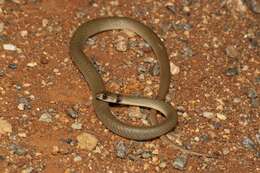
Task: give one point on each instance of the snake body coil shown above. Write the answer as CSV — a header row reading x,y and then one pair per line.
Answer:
x,y
96,84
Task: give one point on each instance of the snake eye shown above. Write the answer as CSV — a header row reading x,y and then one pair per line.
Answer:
x,y
104,96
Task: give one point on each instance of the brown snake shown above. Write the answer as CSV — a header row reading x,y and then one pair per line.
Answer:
x,y
100,96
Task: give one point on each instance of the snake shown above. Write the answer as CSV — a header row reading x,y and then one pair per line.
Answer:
x,y
101,99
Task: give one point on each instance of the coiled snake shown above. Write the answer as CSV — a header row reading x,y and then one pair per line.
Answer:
x,y
101,97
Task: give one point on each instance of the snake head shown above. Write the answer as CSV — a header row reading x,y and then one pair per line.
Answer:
x,y
109,97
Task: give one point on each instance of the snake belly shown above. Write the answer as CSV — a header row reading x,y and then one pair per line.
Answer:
x,y
96,84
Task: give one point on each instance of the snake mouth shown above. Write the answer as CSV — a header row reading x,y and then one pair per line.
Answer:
x,y
109,97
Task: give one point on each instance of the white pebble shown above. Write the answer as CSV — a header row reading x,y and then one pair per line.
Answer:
x,y
1,27
31,64
221,116
24,33
174,69
9,47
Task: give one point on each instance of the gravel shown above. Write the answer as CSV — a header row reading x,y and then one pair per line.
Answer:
x,y
232,71
180,162
18,150
46,117
248,143
72,113
121,150
9,47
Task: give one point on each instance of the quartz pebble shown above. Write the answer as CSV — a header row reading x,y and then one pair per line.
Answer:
x,y
87,141
9,47
5,127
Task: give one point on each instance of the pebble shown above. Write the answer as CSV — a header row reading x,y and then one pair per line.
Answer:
x,y
18,150
31,64
221,116
231,52
258,137
147,154
248,143
87,141
77,159
209,115
253,5
174,69
23,104
163,164
24,33
135,112
182,26
155,69
225,151
232,71
171,7
72,113
2,73
12,66
46,117
121,150
76,125
180,162
9,47
257,79
187,52
5,127
121,44
27,170
1,27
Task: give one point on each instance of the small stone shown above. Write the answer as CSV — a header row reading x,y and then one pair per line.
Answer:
x,y
209,115
253,5
135,112
174,69
46,117
187,52
5,127
163,165
87,141
12,66
155,69
45,22
24,33
31,64
27,170
248,143
2,73
23,104
77,159
180,162
258,137
18,150
231,52
1,27
2,158
182,26
225,151
257,80
147,154
236,100
72,113
252,93
221,116
9,47
121,44
76,126
145,46
232,71
121,150
171,7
